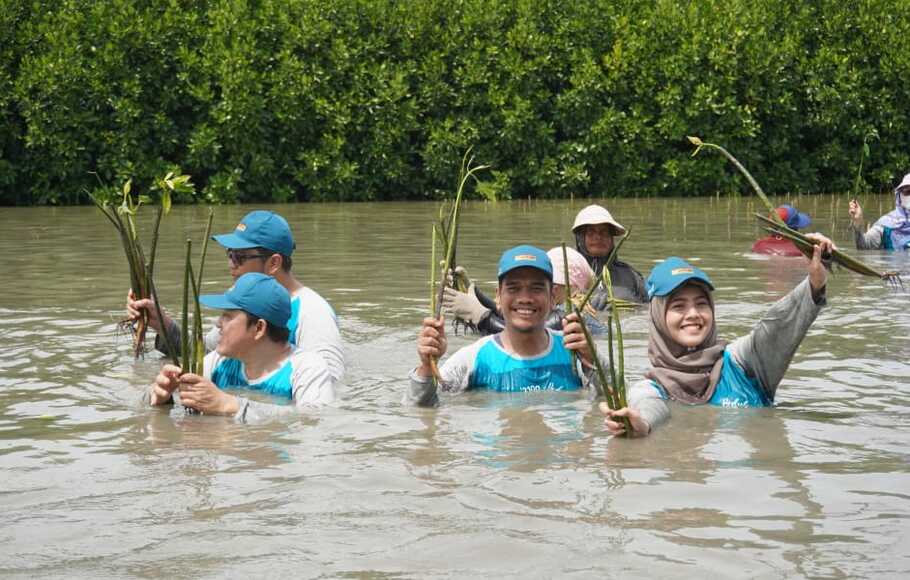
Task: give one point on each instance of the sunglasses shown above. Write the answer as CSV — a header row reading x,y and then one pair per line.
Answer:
x,y
238,259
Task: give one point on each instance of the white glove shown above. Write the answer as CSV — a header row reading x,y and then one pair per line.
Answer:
x,y
463,305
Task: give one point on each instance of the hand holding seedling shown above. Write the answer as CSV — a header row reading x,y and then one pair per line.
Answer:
x,y
574,339
856,214
822,249
201,394
431,344
135,307
165,384
616,426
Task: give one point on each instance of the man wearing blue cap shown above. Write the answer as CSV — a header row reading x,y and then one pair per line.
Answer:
x,y
252,353
690,365
525,356
262,242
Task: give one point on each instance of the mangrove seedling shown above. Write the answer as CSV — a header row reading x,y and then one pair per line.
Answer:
x,y
614,389
782,229
447,233
121,208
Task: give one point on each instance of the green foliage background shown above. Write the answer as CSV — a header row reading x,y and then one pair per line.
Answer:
x,y
279,100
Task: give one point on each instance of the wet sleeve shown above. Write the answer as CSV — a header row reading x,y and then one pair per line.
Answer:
x,y
646,399
173,333
318,332
456,376
766,352
871,240
312,386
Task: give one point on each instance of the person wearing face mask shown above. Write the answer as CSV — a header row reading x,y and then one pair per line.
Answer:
x,y
892,230
690,365
262,242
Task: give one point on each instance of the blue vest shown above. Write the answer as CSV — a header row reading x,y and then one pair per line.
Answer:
x,y
294,320
229,374
734,389
497,370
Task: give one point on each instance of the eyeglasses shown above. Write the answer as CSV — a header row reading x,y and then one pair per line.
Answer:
x,y
238,259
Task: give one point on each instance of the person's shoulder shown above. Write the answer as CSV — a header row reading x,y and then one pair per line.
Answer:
x,y
312,301
621,265
308,362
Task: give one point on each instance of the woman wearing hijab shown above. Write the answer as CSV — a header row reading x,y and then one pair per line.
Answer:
x,y
690,365
892,230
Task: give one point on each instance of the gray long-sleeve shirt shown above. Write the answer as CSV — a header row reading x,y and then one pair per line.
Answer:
x,y
872,239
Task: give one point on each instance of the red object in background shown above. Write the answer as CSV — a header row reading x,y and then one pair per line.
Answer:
x,y
775,246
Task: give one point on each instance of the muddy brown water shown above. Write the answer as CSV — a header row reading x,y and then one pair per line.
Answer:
x,y
95,485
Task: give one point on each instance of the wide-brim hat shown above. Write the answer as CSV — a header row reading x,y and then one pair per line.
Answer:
x,y
904,184
595,214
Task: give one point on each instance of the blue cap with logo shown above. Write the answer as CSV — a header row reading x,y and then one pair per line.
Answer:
x,y
525,256
260,229
671,274
256,294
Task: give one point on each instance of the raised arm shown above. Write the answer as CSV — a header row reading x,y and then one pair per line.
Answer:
x,y
865,240
766,352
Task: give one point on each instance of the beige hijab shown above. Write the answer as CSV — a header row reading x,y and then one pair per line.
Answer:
x,y
688,376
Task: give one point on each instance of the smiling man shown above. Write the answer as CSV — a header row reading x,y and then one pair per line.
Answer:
x,y
262,242
525,356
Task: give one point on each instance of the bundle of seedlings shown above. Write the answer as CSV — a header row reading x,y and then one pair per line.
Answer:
x,y
121,207
614,389
802,242
446,233
192,341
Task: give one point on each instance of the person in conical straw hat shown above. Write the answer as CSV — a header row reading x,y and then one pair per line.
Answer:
x,y
595,232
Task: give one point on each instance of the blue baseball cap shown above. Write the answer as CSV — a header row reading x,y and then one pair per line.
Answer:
x,y
671,274
257,294
525,256
793,218
260,229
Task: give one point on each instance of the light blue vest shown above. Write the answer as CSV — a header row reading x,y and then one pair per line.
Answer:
x,y
497,370
294,320
734,389
229,374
